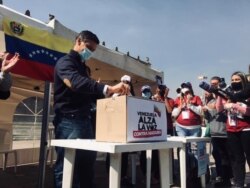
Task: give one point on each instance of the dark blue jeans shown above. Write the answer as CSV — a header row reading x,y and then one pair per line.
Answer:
x,y
188,132
72,128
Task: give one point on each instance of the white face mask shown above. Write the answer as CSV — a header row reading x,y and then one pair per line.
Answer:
x,y
146,95
85,54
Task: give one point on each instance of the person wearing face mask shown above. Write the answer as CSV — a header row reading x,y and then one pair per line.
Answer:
x,y
73,96
187,113
146,92
238,129
161,95
216,120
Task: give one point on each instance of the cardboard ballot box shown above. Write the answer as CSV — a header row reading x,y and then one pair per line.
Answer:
x,y
130,119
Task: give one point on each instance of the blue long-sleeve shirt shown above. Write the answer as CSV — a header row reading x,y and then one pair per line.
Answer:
x,y
78,97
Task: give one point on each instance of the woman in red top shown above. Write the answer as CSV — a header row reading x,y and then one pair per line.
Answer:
x,y
238,129
187,112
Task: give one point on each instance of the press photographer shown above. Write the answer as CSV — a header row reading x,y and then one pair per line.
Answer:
x,y
161,95
215,121
227,92
160,92
238,128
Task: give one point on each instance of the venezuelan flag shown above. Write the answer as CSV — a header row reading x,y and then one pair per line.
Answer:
x,y
39,49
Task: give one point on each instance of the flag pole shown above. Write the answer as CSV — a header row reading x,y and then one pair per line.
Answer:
x,y
44,131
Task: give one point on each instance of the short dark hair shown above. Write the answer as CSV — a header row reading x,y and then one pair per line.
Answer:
x,y
216,78
88,35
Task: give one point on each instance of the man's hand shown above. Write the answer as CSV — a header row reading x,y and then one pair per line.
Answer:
x,y
7,65
121,88
156,97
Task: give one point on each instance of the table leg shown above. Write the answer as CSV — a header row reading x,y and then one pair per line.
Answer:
x,y
115,170
164,167
148,167
171,169
203,181
68,167
183,166
133,167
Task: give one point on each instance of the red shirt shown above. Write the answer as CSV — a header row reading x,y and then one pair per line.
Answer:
x,y
241,124
193,119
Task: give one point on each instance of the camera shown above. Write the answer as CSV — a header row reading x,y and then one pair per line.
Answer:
x,y
224,93
227,92
222,83
178,90
162,89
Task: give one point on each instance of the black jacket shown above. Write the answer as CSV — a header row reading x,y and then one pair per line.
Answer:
x,y
4,95
79,97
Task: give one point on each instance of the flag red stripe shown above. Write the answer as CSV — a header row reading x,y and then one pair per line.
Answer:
x,y
34,70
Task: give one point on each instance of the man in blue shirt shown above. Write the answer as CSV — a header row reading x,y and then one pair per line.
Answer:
x,y
73,96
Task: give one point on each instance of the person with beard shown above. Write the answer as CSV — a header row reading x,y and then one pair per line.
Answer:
x,y
238,129
216,120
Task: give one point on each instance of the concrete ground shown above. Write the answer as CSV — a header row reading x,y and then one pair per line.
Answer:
x,y
27,176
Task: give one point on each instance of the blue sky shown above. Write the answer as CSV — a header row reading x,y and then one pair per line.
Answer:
x,y
182,38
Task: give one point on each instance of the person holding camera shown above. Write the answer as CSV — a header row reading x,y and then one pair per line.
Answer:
x,y
188,112
162,96
216,120
238,128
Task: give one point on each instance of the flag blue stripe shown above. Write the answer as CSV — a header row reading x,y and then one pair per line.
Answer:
x,y
32,51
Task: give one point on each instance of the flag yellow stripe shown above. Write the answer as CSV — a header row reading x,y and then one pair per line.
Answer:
x,y
39,37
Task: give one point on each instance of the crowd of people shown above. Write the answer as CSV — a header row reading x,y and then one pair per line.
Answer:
x,y
75,94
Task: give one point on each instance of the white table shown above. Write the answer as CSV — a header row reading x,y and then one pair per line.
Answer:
x,y
115,150
183,165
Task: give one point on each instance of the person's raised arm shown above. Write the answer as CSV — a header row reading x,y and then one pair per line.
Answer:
x,y
8,64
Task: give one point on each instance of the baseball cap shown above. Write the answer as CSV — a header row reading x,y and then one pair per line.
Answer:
x,y
186,85
126,78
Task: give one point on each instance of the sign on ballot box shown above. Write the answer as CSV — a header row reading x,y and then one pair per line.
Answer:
x,y
130,119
